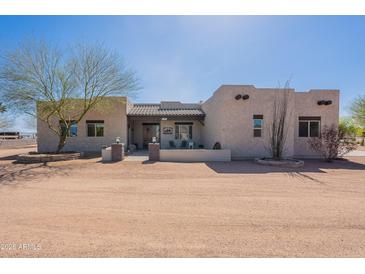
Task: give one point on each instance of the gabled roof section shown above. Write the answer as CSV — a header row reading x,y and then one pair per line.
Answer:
x,y
166,108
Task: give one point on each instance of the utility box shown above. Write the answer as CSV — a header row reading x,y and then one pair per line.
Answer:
x,y
106,154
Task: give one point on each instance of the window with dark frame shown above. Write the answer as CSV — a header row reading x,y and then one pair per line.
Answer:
x,y
309,126
257,125
95,128
72,131
314,128
303,128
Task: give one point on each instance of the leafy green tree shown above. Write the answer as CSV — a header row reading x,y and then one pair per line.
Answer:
x,y
348,127
358,110
360,132
358,113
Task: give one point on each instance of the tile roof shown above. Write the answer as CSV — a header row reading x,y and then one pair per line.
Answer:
x,y
166,108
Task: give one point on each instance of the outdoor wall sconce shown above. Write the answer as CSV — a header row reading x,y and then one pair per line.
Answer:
x,y
243,97
323,102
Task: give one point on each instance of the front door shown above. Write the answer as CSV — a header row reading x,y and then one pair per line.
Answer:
x,y
150,131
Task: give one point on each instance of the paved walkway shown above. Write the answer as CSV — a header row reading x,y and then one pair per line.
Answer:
x,y
356,153
137,156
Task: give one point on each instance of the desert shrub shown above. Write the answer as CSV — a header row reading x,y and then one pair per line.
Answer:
x,y
331,143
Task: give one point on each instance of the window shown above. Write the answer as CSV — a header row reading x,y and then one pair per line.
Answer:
x,y
72,131
257,125
309,126
183,131
314,128
303,129
95,128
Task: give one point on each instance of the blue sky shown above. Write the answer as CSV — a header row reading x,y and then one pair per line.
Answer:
x,y
188,57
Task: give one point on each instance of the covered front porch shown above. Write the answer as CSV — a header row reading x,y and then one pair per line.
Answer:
x,y
172,124
171,132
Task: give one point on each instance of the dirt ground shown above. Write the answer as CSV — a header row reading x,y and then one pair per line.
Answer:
x,y
84,208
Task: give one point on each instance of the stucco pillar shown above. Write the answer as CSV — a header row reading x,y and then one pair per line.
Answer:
x,y
154,151
117,152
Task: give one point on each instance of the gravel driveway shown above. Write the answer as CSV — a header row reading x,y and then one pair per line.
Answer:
x,y
84,208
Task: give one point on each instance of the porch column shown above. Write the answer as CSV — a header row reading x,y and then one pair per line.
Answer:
x,y
154,151
117,152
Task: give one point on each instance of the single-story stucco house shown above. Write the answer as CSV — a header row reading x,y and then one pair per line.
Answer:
x,y
236,116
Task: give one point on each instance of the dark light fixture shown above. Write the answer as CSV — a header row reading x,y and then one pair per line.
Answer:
x,y
245,97
238,96
324,102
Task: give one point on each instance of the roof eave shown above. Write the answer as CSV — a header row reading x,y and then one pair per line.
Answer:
x,y
169,117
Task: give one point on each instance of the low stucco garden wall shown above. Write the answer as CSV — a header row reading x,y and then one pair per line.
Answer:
x,y
195,155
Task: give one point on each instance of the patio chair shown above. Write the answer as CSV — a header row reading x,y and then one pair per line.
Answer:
x,y
184,144
172,144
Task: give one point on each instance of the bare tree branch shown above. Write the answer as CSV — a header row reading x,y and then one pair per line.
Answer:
x,y
53,85
278,129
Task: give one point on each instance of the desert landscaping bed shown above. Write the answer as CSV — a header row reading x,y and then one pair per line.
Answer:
x,y
83,208
29,158
280,163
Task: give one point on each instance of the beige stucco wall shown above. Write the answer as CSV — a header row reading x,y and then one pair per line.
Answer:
x,y
306,105
115,125
195,155
230,121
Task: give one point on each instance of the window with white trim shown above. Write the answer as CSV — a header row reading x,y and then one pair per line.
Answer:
x,y
95,128
183,131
